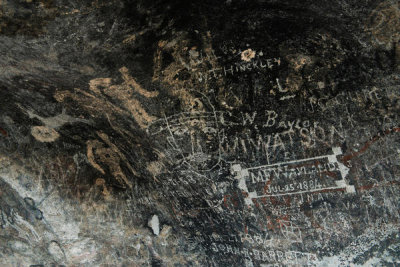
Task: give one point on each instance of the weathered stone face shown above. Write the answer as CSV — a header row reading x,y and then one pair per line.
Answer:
x,y
199,133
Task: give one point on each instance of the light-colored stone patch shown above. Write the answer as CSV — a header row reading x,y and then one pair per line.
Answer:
x,y
44,134
154,224
248,55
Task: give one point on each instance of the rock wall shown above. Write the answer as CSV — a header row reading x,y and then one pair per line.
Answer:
x,y
199,133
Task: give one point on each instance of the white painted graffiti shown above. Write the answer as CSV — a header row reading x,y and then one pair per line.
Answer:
x,y
243,176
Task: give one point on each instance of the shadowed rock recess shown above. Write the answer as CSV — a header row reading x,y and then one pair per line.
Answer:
x,y
199,133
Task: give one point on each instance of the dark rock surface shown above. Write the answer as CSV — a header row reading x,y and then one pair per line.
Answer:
x,y
199,133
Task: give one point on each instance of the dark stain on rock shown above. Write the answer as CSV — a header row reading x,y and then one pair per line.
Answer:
x,y
316,204
3,132
28,18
